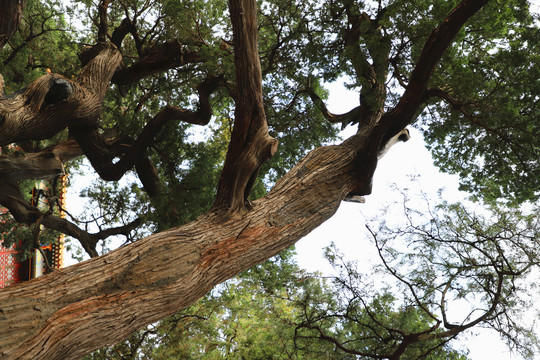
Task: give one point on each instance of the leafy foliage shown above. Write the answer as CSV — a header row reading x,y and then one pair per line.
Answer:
x,y
43,28
491,72
481,262
278,311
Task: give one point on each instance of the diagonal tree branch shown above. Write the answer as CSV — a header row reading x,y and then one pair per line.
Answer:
x,y
198,256
102,152
162,57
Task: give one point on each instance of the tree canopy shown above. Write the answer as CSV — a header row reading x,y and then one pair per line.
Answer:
x,y
207,125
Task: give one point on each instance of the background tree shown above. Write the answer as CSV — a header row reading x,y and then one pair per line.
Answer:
x,y
442,272
278,311
250,317
155,69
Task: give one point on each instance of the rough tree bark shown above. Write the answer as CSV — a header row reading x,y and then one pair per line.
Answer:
x,y
75,310
250,144
11,11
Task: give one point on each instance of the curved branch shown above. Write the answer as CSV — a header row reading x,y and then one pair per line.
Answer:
x,y
352,116
119,230
102,153
456,329
169,55
99,64
40,111
446,324
400,278
125,27
339,344
403,113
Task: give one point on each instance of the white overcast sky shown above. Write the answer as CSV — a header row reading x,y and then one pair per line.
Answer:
x,y
406,166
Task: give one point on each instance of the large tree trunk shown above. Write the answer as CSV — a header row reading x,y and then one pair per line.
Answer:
x,y
72,311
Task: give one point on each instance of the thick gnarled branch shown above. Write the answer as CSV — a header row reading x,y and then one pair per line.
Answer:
x,y
99,64
45,164
41,111
250,144
52,102
10,16
101,152
159,58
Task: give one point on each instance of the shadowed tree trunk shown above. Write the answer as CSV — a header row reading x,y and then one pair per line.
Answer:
x,y
10,17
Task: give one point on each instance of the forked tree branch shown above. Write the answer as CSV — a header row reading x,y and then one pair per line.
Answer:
x,y
404,112
161,57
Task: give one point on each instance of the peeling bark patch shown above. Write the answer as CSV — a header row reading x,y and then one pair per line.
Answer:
x,y
146,271
278,220
236,247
